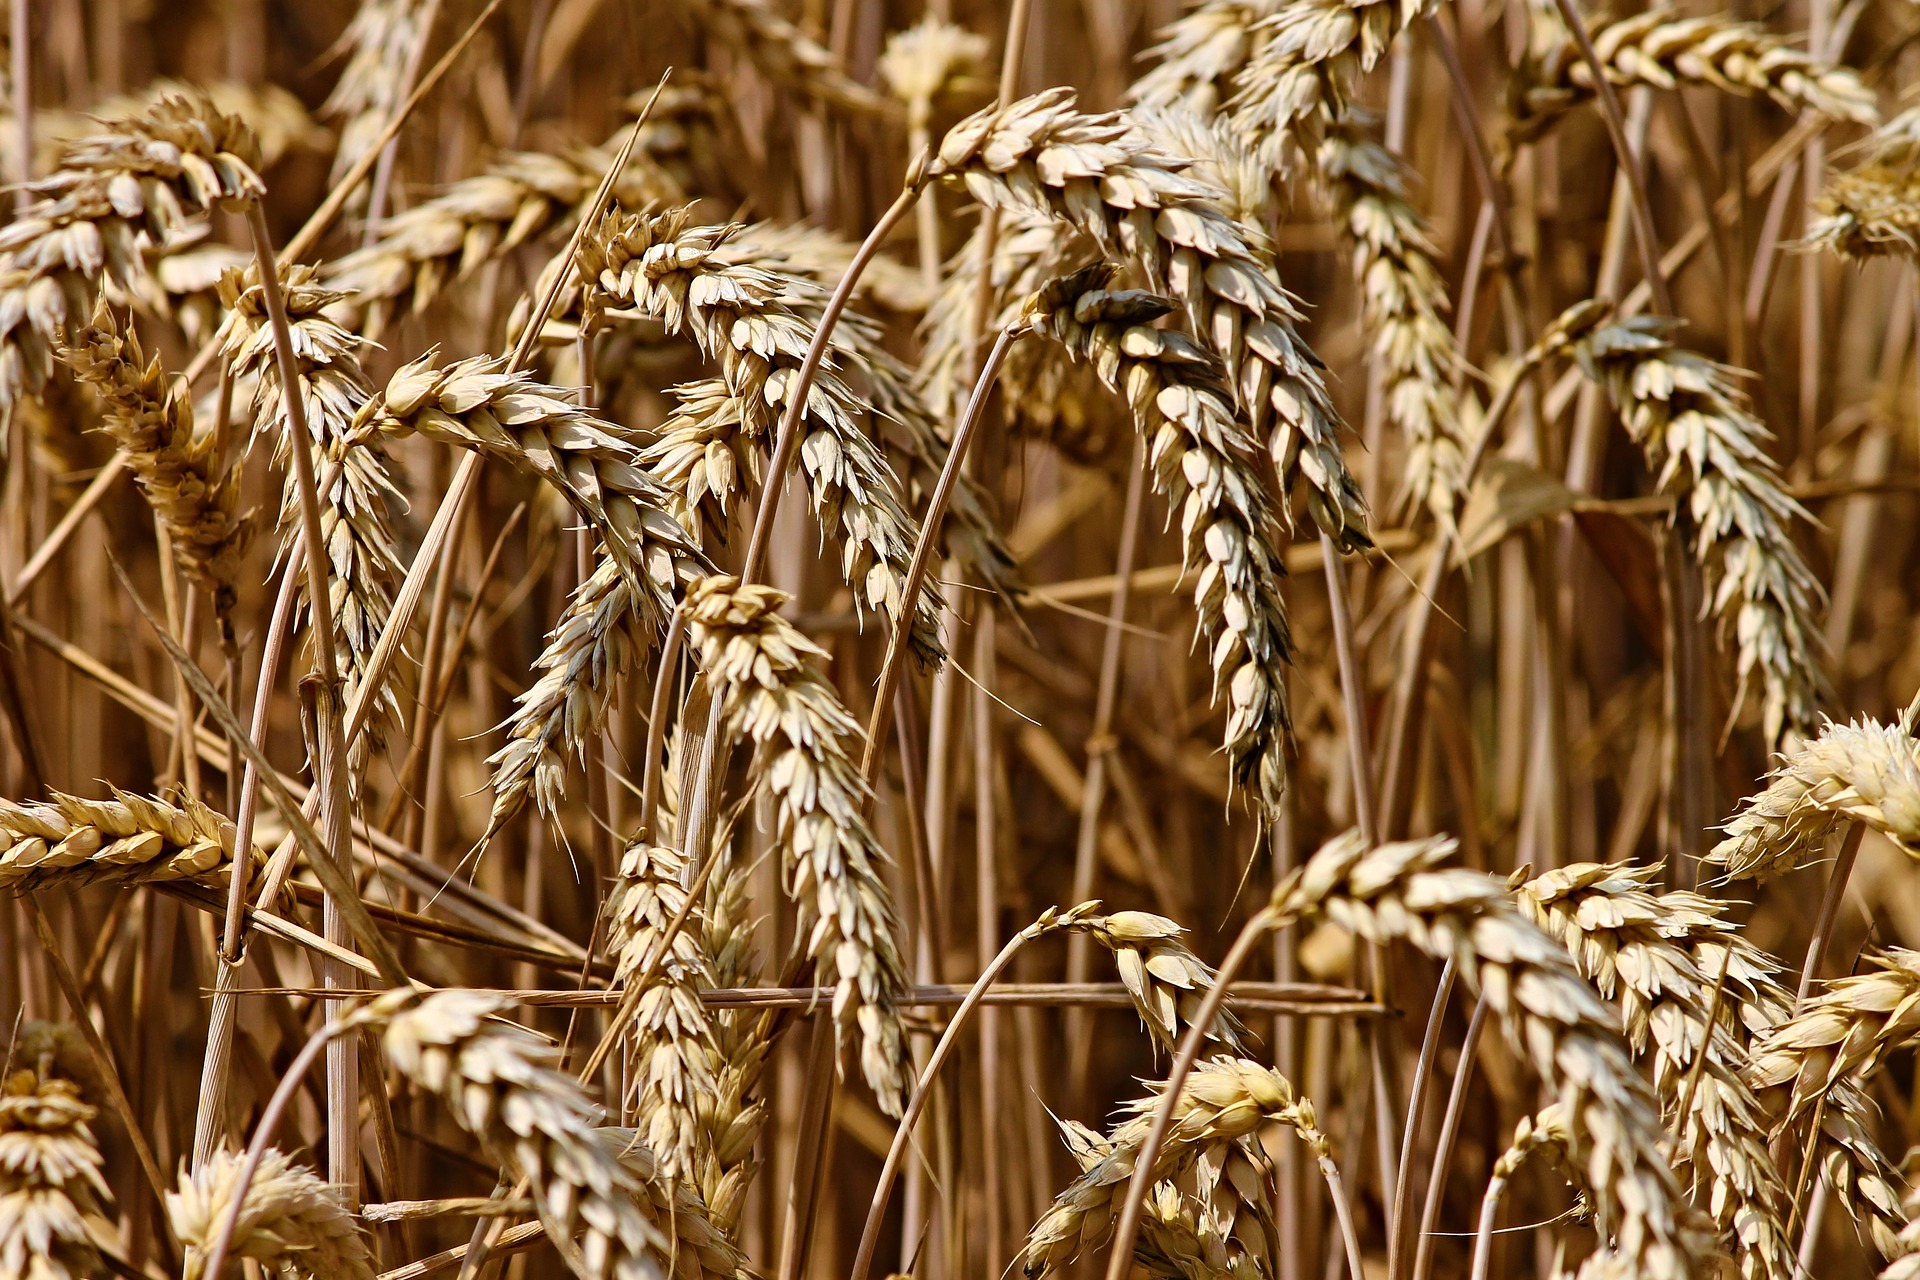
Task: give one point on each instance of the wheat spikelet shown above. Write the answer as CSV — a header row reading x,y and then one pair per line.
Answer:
x,y
275,116
502,1085
1662,50
1863,772
68,842
1623,940
116,198
671,1047
1704,444
152,423
762,667
291,1221
355,518
1873,208
1103,176
474,404
50,1179
738,313
1165,980
1202,459
1201,52
782,52
381,40
702,1250
1222,1101
1400,891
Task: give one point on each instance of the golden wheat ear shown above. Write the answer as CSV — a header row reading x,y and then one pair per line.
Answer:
x,y
291,1221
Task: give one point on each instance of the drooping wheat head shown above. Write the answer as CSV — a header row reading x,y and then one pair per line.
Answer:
x,y
1202,459
50,1179
291,1221
775,697
67,842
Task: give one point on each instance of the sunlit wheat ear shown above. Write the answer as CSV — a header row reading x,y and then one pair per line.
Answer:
x,y
92,221
804,742
1708,451
379,43
1627,942
1553,1020
1222,1101
702,1250
502,1084
782,52
1862,772
1662,50
1165,980
1203,459
50,1180
521,197
1201,52
196,497
68,842
670,1047
1102,176
356,509
1874,207
1171,1242
739,314
292,1222
474,404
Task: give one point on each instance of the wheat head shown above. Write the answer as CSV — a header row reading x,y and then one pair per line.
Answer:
x,y
291,1222
50,1179
67,842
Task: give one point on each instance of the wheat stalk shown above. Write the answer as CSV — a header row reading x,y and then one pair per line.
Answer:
x,y
1864,772
50,1179
1663,50
1102,176
739,314
502,1084
194,495
117,197
774,696
671,1049
290,1222
1704,444
355,510
1202,459
68,842
475,404
1627,942
1552,1018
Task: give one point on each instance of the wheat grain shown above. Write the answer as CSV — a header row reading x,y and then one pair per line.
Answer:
x,y
774,696
1101,175
291,1221
1864,772
1704,444
1623,939
67,842
1400,891
50,1179
738,313
355,515
116,197
1663,50
151,421
1201,457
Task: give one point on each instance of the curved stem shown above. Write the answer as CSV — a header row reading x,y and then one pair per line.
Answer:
x,y
1416,1109
1449,1133
1121,1258
1829,910
1483,1233
923,1088
923,550
1343,1214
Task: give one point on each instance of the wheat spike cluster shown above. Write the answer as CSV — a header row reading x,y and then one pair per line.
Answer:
x,y
1220,640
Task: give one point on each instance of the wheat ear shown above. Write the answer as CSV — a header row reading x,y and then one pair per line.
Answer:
x,y
355,510
93,220
1552,1018
774,696
67,842
1874,208
1102,176
50,1179
502,1084
1702,441
383,37
151,421
739,314
1863,772
279,122
1631,947
620,607
291,1222
1663,50
1202,459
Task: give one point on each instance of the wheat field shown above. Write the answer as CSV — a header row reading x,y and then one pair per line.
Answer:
x,y
783,640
